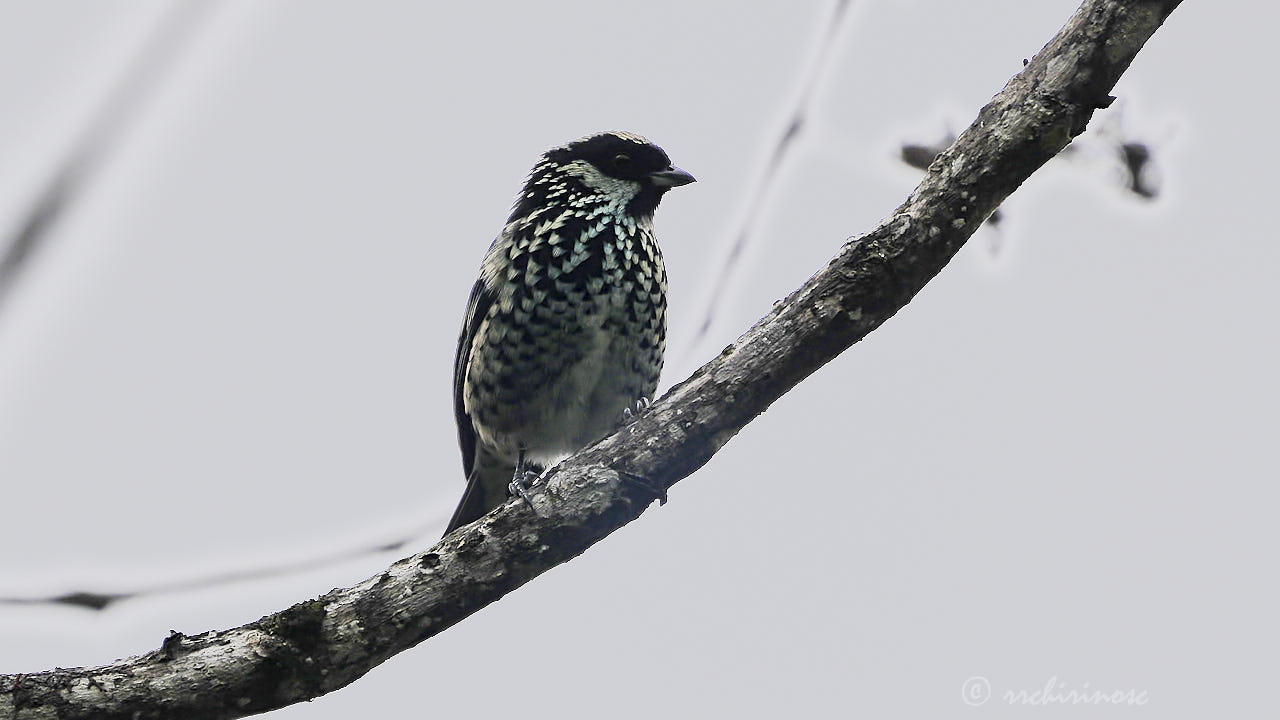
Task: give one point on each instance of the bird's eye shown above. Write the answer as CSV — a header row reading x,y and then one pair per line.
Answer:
x,y
622,161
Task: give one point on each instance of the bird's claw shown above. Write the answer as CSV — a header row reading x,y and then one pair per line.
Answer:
x,y
630,414
520,485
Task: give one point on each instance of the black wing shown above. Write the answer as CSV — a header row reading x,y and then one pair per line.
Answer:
x,y
477,307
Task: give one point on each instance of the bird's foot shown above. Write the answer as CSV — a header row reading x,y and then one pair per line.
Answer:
x,y
520,484
630,414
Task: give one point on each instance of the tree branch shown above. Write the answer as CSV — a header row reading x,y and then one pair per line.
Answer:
x,y
321,645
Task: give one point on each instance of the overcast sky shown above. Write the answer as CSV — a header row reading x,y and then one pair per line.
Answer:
x,y
1056,465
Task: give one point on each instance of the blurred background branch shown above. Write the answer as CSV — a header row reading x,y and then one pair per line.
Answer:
x,y
100,599
763,186
73,174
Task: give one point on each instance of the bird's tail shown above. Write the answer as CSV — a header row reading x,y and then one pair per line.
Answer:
x,y
486,490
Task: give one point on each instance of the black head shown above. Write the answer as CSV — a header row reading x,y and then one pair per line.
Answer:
x,y
614,155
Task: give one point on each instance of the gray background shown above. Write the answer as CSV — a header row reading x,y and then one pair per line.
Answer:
x,y
1057,462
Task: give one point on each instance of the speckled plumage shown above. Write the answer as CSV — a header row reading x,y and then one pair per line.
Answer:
x,y
567,324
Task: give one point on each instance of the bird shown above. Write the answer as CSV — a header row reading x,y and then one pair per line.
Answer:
x,y
565,329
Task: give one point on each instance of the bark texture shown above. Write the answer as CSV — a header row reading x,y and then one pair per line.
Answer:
x,y
321,645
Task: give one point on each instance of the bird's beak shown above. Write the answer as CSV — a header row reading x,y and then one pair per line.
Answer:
x,y
671,177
